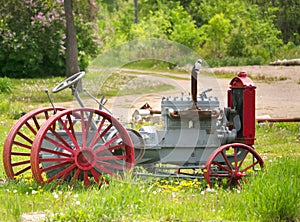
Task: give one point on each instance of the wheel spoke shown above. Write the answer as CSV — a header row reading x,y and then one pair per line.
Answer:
x,y
105,131
46,113
114,166
25,137
242,161
96,175
20,163
55,152
37,125
239,183
218,175
22,145
222,167
95,138
64,146
22,171
20,154
113,157
76,175
71,134
235,158
112,148
62,173
106,144
31,128
45,160
84,128
250,166
86,179
226,160
103,169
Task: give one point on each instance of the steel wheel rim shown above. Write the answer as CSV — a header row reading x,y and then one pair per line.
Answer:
x,y
18,143
82,154
235,168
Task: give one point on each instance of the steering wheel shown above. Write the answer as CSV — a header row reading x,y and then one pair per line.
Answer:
x,y
68,82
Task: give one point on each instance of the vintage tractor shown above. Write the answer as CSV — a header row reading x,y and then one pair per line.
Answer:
x,y
197,140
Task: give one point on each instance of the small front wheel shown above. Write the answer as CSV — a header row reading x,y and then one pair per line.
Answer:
x,y
231,164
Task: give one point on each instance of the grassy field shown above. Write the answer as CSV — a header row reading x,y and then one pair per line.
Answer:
x,y
271,196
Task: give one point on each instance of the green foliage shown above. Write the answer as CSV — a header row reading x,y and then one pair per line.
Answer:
x,y
215,34
246,35
33,37
224,32
287,17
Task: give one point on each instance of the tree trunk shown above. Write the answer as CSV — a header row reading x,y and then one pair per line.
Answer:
x,y
72,65
136,12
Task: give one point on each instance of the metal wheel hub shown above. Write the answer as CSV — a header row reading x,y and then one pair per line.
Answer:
x,y
85,159
237,175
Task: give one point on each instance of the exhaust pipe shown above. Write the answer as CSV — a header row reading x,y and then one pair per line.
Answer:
x,y
194,81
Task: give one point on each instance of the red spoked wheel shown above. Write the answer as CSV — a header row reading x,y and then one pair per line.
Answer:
x,y
17,146
231,164
88,144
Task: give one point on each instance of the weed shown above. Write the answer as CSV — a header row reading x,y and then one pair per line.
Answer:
x,y
6,85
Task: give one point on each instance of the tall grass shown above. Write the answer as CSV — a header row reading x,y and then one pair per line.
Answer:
x,y
271,196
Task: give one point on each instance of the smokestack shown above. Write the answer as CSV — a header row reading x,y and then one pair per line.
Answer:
x,y
194,81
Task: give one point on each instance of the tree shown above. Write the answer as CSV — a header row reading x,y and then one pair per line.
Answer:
x,y
72,65
136,11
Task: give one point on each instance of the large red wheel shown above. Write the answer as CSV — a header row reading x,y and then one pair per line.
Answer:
x,y
231,164
84,148
17,146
